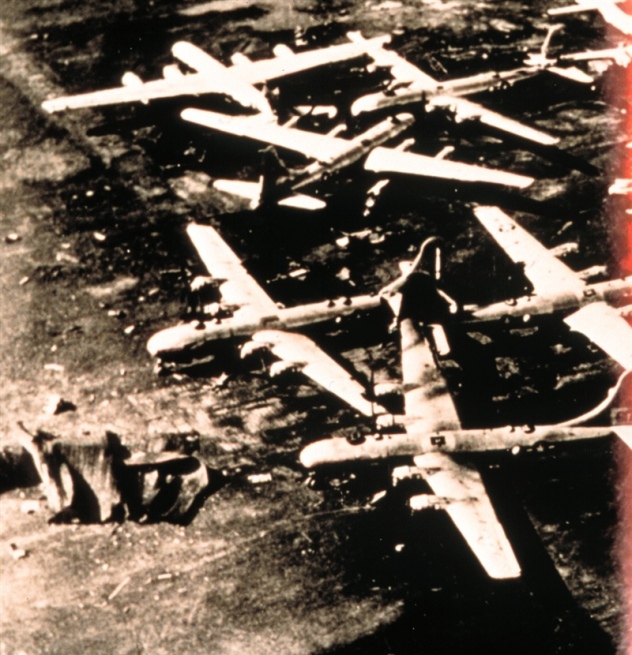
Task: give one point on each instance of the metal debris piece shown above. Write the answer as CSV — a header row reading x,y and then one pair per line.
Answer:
x,y
57,405
260,478
16,552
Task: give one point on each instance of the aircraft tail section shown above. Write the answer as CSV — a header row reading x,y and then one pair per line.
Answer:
x,y
270,188
272,171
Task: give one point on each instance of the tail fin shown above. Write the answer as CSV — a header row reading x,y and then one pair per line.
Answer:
x,y
272,171
551,30
416,289
431,245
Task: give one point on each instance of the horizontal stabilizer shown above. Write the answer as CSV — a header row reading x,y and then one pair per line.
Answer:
x,y
251,191
573,74
385,160
302,201
240,188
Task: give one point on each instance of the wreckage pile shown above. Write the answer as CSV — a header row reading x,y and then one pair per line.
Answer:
x,y
102,480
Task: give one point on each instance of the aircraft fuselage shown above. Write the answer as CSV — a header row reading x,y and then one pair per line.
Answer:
x,y
422,90
357,148
193,334
614,292
413,442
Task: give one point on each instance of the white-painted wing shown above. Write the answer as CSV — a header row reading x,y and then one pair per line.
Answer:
x,y
388,160
608,9
467,110
469,506
236,285
622,55
261,71
214,77
318,366
310,144
401,69
544,270
426,395
226,80
606,328
187,85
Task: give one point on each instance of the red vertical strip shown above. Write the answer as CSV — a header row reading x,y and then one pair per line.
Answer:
x,y
624,454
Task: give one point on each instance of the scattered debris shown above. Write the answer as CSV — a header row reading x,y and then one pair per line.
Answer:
x,y
101,480
260,478
12,237
66,258
129,330
119,286
118,589
17,552
57,405
57,368
24,280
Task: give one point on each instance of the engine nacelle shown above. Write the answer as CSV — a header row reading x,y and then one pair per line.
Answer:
x,y
564,249
282,51
421,502
278,368
131,80
172,72
387,389
593,273
401,473
252,347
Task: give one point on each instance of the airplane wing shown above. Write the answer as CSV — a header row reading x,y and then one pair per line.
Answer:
x,y
621,55
187,85
214,77
426,395
606,328
236,285
264,70
401,69
608,9
317,365
310,144
389,160
467,110
544,270
469,506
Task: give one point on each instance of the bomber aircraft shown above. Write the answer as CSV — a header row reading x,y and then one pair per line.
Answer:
x,y
411,86
237,81
332,153
595,310
432,435
246,310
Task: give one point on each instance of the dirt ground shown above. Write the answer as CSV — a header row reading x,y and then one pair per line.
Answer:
x,y
93,261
